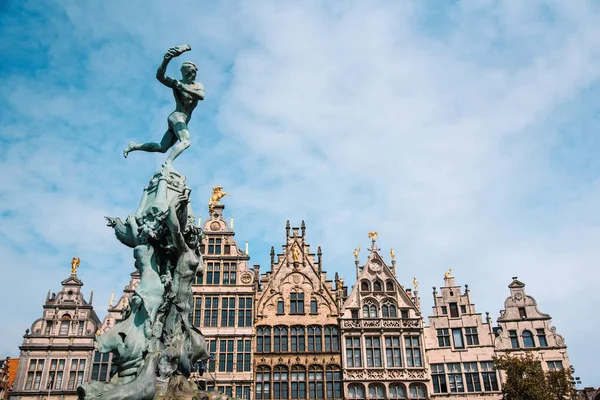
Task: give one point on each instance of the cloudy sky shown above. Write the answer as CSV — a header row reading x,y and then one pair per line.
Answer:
x,y
466,133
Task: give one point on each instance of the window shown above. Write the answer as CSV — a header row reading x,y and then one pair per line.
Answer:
x,y
316,389
458,338
280,307
376,391
488,376
263,383
280,382
297,338
227,249
528,339
313,307
64,328
333,379
34,374
229,273
397,392
356,391
213,273
298,382
554,365
80,328
228,311
76,373
417,391
444,310
332,342
514,339
315,340
393,351
377,286
280,339
522,312
472,377
226,355
388,311
245,311
199,279
48,328
100,370
364,286
353,357
354,314
542,337
369,311
413,351
244,350
226,390
296,303
211,311
197,312
263,339
211,345
463,309
455,380
439,378
472,336
404,314
242,392
214,246
453,310
389,286
55,374
373,350
443,336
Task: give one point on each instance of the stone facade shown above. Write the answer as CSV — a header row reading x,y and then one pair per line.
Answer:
x,y
382,335
297,347
57,351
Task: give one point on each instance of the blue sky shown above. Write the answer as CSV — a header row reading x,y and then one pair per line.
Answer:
x,y
466,134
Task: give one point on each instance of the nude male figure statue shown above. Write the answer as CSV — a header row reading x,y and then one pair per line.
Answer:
x,y
187,93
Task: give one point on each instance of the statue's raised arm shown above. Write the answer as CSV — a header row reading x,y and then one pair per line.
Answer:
x,y
187,93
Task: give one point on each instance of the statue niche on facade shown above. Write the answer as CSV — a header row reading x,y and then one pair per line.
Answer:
x,y
154,346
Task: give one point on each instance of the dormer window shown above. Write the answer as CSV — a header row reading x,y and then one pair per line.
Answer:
x,y
453,310
522,312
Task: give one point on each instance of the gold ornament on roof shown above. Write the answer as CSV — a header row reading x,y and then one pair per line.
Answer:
x,y
217,195
296,254
393,254
74,265
356,251
448,273
373,236
415,284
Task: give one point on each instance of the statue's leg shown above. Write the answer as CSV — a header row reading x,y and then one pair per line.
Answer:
x,y
183,134
168,140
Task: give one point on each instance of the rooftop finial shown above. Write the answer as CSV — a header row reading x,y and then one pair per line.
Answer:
x,y
393,254
373,236
74,265
448,274
217,195
112,297
355,252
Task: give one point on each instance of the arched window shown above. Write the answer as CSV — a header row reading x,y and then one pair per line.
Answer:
x,y
280,339
372,311
263,382
280,382
389,286
315,340
397,391
297,338
332,341
376,391
298,382
316,386
392,311
356,391
385,312
417,391
377,286
333,381
528,339
263,339
364,286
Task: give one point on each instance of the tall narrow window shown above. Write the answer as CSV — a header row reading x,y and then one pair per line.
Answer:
x,y
373,351
229,273
313,307
372,311
453,310
213,273
315,341
80,328
228,311
392,311
522,312
211,345
397,392
472,336
458,338
245,311
418,391
528,339
514,339
211,311
34,374
280,307
100,368
297,303
472,377
197,312
263,383
298,382
280,382
413,351
297,337
214,246
356,391
333,378
263,339
331,338
455,379
389,286
364,286
443,336
377,286
444,310
438,378
376,391
385,312
280,339
404,314
55,374
76,373
316,384
541,338
244,351
353,357
488,376
393,351
226,355
64,327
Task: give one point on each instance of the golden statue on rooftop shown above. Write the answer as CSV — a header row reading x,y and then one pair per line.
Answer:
x,y
393,254
448,273
296,253
356,251
217,195
373,236
74,265
415,284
